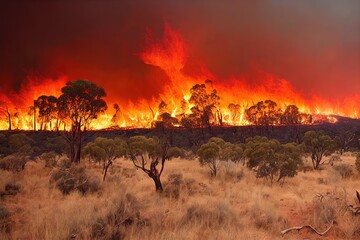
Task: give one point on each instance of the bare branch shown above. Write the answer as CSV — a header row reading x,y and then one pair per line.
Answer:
x,y
133,159
311,228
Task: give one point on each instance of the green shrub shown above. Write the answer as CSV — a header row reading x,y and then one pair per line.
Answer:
x,y
175,152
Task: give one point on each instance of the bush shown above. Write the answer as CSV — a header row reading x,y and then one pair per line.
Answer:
x,y
74,178
14,162
4,213
344,170
4,222
173,186
175,152
357,161
217,216
12,189
49,158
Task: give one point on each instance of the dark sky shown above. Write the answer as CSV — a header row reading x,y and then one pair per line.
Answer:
x,y
313,44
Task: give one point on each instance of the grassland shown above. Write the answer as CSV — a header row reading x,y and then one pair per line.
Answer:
x,y
193,205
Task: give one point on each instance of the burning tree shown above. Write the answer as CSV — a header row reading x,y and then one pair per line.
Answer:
x,y
204,103
291,116
5,111
81,102
264,113
47,106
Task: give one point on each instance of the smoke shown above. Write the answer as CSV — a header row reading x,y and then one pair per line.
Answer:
x,y
313,44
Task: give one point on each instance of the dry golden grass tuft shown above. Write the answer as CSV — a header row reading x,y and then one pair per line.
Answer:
x,y
233,205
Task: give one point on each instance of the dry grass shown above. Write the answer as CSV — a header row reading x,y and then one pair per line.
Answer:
x,y
234,205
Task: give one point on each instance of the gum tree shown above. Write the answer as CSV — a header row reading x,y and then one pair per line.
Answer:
x,y
146,154
81,102
318,144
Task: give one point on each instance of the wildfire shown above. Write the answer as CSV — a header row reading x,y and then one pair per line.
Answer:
x,y
170,54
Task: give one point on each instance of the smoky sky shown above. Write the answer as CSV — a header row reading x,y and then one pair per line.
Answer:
x,y
313,44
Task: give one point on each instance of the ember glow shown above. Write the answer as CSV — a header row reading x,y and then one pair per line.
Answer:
x,y
170,54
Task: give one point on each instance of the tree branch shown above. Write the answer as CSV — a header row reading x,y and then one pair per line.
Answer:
x,y
311,228
142,167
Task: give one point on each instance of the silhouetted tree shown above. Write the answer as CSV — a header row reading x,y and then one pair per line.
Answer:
x,y
234,112
291,116
5,111
264,113
115,117
47,106
204,103
81,102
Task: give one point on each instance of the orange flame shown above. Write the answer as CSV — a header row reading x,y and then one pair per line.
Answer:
x,y
170,54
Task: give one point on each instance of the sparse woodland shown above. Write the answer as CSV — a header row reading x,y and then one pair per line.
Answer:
x,y
251,196
192,183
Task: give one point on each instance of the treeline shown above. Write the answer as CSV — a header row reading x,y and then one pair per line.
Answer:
x,y
202,109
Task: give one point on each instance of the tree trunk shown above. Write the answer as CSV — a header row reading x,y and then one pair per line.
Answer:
x,y
77,152
9,120
157,181
106,167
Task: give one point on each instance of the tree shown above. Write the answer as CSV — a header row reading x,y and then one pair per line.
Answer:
x,y
47,106
145,151
318,144
264,113
204,103
81,102
357,162
291,116
344,140
106,150
261,155
231,153
216,150
289,160
5,111
234,112
270,159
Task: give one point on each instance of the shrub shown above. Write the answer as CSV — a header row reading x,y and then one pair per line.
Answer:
x,y
217,216
14,162
4,222
12,189
357,161
49,158
344,170
74,178
4,213
175,152
173,186
98,229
